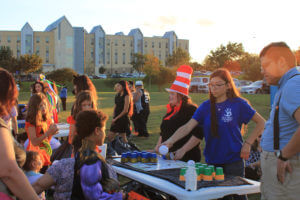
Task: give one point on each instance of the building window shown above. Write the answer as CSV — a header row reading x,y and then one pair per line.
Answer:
x,y
159,56
92,41
152,44
186,47
18,39
159,45
47,49
116,57
146,44
108,42
166,45
0,38
8,39
131,43
116,42
37,39
47,39
123,43
37,52
92,54
167,54
124,57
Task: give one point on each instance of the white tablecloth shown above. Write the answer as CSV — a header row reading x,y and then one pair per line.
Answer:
x,y
182,194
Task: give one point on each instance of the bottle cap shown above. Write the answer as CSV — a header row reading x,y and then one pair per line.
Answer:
x,y
191,163
163,150
198,164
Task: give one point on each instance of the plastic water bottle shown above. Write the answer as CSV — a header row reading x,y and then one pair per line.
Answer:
x,y
191,176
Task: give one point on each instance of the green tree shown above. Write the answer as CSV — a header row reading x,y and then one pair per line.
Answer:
x,y
102,70
197,66
178,57
138,61
218,57
250,64
7,61
156,73
29,63
61,76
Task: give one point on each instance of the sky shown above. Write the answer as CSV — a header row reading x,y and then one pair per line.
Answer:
x,y
205,23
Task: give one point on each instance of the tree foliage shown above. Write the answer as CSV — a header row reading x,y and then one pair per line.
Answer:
x,y
138,61
250,64
61,76
217,58
178,57
29,63
102,70
7,61
156,73
197,66
232,65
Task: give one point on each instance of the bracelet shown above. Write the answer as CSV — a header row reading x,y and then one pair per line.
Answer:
x,y
247,143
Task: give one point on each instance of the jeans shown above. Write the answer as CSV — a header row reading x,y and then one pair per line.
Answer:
x,y
235,169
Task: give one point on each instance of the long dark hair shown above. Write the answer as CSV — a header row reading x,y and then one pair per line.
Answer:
x,y
126,91
8,92
231,92
34,115
83,82
86,122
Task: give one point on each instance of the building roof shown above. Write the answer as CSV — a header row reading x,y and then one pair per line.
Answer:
x,y
56,23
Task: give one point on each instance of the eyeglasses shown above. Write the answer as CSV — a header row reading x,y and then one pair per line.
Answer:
x,y
216,85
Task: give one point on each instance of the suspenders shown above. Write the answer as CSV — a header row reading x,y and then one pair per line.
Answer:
x,y
276,121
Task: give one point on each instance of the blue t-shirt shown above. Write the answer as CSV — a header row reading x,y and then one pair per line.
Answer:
x,y
231,114
63,93
289,89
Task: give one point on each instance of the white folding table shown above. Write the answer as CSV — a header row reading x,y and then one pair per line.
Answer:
x,y
179,192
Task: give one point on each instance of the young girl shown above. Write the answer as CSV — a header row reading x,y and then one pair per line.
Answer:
x,y
39,127
84,101
92,177
122,112
222,117
38,87
32,168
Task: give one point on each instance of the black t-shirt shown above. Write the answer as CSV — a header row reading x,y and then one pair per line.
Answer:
x,y
168,128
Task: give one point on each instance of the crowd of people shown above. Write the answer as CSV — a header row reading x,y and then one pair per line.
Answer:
x,y
270,153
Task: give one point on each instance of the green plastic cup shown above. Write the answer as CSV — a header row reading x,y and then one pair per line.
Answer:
x,y
207,171
212,167
198,164
201,168
219,171
204,165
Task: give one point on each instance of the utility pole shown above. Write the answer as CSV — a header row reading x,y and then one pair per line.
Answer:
x,y
111,57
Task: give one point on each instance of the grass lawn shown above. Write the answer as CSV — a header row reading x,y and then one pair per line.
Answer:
x,y
158,109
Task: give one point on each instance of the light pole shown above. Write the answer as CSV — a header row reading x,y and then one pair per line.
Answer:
x,y
111,57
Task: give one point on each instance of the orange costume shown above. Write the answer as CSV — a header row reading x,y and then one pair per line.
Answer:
x,y
44,148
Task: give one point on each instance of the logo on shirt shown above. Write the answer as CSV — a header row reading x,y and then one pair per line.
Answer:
x,y
227,117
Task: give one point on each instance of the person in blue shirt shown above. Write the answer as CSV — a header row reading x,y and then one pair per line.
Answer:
x,y
222,118
280,163
63,96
